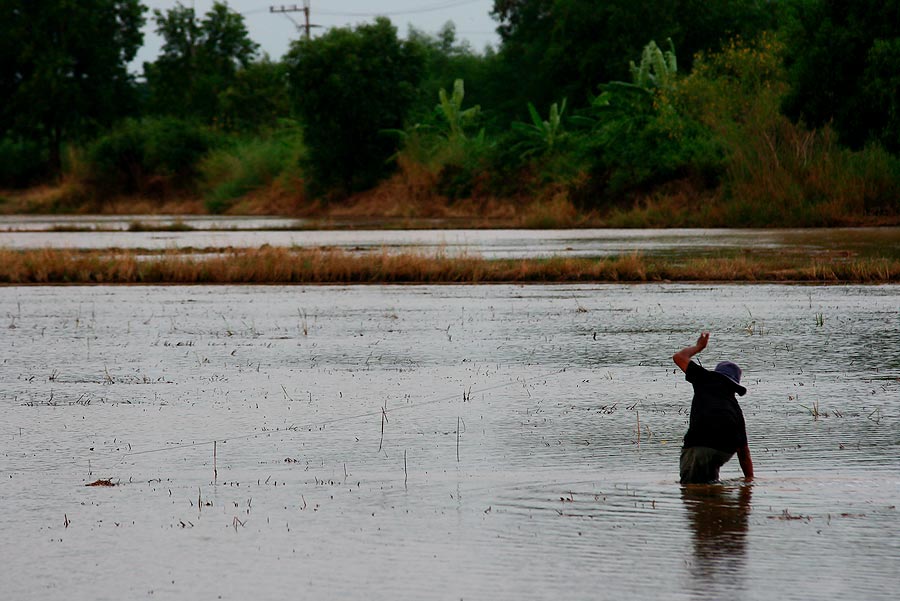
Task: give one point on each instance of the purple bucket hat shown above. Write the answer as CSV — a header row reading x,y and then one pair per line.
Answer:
x,y
733,373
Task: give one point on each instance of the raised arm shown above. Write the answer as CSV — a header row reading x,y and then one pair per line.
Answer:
x,y
683,357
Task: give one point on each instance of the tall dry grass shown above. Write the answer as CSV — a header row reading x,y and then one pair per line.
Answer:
x,y
285,266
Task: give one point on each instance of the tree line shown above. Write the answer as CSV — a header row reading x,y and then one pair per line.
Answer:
x,y
604,103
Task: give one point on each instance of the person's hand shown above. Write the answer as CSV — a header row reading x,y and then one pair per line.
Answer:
x,y
702,341
683,357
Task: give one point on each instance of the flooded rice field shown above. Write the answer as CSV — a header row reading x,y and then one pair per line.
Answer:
x,y
442,442
223,232
100,223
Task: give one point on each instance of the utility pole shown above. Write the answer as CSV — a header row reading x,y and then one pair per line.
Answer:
x,y
293,8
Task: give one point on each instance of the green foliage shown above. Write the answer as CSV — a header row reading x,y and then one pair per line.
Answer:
x,y
22,162
257,98
843,60
199,61
542,136
445,60
774,172
151,156
463,166
715,130
637,138
63,67
348,86
872,182
881,87
455,117
554,48
246,164
444,146
657,69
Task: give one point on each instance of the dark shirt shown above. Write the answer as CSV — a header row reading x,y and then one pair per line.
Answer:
x,y
716,418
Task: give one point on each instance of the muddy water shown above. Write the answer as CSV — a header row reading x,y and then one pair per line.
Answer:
x,y
442,442
487,243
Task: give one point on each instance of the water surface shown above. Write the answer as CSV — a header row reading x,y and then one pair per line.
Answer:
x,y
88,223
410,442
488,243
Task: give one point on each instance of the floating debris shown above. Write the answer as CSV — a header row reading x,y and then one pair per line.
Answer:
x,y
102,482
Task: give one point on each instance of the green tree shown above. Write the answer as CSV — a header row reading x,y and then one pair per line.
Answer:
x,y
554,48
445,60
638,138
257,97
843,64
199,60
63,67
349,86
881,86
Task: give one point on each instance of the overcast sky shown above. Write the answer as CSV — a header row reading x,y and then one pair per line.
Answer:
x,y
274,32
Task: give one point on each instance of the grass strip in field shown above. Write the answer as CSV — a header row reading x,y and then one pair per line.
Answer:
x,y
324,266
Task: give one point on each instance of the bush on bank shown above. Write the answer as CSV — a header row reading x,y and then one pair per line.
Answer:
x,y
246,164
22,162
377,116
153,156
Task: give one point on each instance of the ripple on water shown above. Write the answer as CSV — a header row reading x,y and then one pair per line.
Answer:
x,y
498,442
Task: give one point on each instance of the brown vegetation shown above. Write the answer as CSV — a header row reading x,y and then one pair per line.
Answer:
x,y
69,197
391,204
282,266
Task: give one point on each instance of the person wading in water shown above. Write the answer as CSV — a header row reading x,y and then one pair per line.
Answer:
x,y
716,431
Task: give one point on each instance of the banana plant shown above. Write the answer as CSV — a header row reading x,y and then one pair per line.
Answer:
x,y
658,69
628,102
543,135
457,117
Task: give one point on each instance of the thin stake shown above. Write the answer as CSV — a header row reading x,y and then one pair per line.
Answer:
x,y
638,414
215,471
457,439
405,473
383,420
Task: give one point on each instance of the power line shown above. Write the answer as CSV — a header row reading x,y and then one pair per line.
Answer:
x,y
295,9
411,11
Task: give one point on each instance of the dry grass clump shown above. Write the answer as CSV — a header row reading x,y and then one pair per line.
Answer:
x,y
556,212
313,266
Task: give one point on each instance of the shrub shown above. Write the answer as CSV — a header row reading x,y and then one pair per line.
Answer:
x,y
148,156
349,85
843,69
445,147
22,162
779,172
245,165
639,137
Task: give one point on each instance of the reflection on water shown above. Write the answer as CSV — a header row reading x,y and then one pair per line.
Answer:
x,y
218,233
402,443
95,223
719,518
